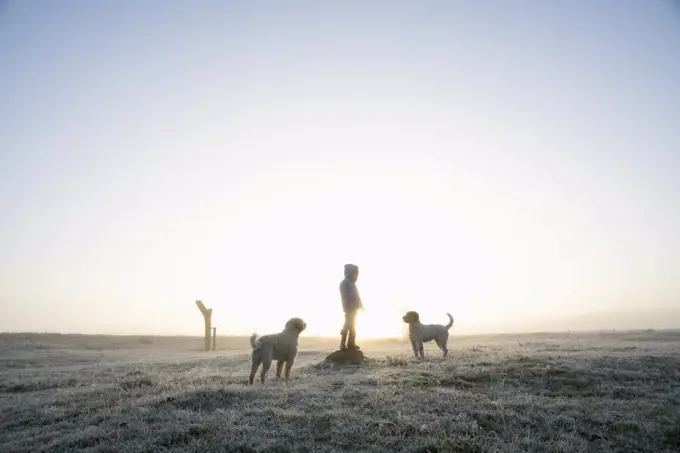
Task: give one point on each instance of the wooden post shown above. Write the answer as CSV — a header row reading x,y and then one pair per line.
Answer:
x,y
214,337
207,318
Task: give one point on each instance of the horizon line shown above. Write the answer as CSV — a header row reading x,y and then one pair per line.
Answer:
x,y
328,337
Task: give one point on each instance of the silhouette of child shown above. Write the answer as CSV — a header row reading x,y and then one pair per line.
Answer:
x,y
351,304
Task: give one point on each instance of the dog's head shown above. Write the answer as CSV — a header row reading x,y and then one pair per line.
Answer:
x,y
296,324
411,317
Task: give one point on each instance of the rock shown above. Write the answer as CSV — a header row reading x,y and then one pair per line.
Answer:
x,y
346,356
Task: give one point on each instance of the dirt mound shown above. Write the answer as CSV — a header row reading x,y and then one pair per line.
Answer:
x,y
346,357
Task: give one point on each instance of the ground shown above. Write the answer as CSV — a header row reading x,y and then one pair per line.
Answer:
x,y
533,393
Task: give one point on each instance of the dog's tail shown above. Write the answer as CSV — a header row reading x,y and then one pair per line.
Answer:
x,y
448,326
253,341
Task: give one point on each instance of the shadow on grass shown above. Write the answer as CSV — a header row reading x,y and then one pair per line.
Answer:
x,y
166,437
452,445
38,386
207,400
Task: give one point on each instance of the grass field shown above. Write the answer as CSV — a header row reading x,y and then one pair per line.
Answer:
x,y
510,393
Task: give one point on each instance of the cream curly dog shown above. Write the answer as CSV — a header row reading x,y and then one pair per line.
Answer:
x,y
420,333
282,347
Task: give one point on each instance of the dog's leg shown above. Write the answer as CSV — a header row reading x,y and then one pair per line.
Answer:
x,y
421,349
441,342
253,369
289,366
266,364
279,368
414,345
445,341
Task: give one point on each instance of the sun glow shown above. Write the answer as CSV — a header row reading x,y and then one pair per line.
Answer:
x,y
378,325
375,323
423,237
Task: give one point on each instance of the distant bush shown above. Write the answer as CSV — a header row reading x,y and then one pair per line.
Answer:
x,y
396,361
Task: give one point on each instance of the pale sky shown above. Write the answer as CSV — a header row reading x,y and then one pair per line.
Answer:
x,y
499,160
